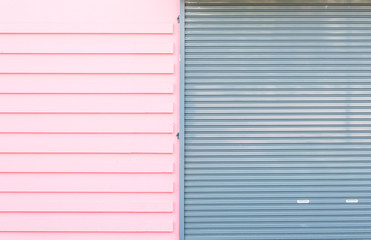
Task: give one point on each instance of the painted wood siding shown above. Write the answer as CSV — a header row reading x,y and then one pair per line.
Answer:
x,y
88,119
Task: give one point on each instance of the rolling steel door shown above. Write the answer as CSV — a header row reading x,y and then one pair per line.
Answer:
x,y
277,118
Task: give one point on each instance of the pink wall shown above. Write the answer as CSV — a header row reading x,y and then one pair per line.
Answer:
x,y
88,116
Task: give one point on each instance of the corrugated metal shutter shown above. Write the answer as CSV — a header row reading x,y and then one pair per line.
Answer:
x,y
277,120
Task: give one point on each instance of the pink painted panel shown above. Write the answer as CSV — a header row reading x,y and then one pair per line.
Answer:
x,y
86,202
86,83
88,119
84,43
86,123
86,143
83,222
49,182
89,163
81,103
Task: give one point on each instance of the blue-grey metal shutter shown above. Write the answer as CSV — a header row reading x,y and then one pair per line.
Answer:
x,y
277,120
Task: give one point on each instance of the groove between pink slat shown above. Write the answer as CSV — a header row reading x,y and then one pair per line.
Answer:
x,y
97,27
104,183
82,222
80,163
86,143
88,202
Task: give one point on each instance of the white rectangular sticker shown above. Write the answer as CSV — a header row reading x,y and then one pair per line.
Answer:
x,y
302,201
351,201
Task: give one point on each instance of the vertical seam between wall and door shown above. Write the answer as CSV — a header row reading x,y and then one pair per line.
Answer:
x,y
181,120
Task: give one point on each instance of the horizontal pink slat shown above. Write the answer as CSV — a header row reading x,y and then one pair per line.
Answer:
x,y
83,43
85,236
87,63
86,143
62,182
86,123
86,83
85,103
92,59
86,67
86,222
102,163
97,27
85,202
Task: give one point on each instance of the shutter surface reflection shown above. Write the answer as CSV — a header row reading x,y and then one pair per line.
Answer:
x,y
278,120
